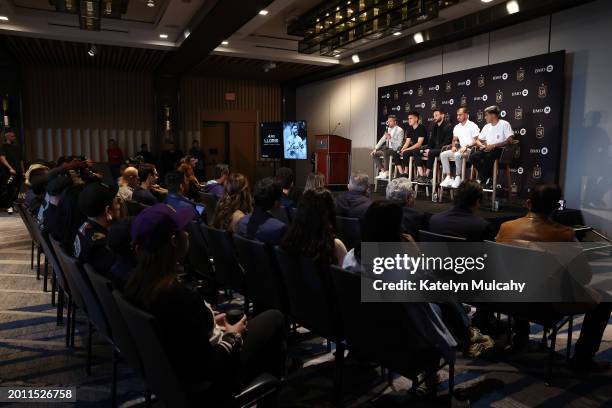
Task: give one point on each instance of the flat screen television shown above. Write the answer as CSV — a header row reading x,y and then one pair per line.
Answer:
x,y
295,141
271,140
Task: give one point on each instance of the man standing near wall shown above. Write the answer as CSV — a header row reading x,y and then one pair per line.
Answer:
x,y
11,169
388,146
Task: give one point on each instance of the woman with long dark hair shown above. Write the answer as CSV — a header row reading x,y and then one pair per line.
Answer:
x,y
313,231
200,344
235,203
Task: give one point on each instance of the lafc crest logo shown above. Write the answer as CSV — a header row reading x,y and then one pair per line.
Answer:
x,y
448,86
420,90
499,97
407,107
542,91
539,132
463,100
537,172
396,95
481,81
479,116
518,113
385,111
434,104
520,74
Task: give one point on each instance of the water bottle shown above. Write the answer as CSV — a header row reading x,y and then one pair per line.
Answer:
x,y
434,197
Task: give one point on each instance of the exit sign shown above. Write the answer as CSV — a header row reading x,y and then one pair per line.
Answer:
x,y
230,96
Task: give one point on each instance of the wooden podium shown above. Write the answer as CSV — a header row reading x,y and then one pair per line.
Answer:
x,y
333,158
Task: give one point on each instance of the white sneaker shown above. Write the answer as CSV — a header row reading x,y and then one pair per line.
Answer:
x,y
382,175
10,210
456,182
446,182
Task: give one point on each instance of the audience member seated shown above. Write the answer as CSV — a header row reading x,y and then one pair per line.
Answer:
x,y
129,182
261,225
177,185
461,219
312,232
146,155
144,193
538,226
356,200
284,175
400,190
119,241
96,202
35,171
48,214
235,204
193,185
201,345
215,186
314,181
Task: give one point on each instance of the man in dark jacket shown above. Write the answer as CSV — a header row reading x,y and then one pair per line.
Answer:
x,y
400,190
440,135
461,220
356,200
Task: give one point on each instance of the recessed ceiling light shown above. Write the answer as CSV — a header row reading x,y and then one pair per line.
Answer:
x,y
263,12
163,36
512,7
186,33
3,18
150,3
92,50
486,1
397,33
224,42
418,38
355,58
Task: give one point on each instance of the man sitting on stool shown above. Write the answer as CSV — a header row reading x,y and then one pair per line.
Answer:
x,y
387,146
441,135
496,134
464,138
415,140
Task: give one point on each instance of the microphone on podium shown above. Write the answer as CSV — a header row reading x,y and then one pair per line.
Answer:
x,y
333,132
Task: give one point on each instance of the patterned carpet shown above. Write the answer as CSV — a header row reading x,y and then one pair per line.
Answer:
x,y
32,352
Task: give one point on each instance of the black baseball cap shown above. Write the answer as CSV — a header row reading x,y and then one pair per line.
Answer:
x,y
95,197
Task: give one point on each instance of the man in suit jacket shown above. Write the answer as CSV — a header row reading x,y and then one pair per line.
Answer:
x,y
537,226
355,202
461,220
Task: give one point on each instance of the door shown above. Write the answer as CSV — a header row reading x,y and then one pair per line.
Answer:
x,y
214,141
243,149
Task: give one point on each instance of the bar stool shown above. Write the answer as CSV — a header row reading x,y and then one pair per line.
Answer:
x,y
390,172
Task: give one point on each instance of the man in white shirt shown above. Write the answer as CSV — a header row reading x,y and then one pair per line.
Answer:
x,y
388,146
496,134
464,139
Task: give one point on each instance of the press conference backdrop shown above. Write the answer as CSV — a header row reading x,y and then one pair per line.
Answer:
x,y
528,91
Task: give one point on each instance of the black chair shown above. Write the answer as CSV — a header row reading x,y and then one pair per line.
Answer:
x,y
228,272
161,376
210,204
264,281
134,207
426,236
312,303
281,214
28,220
349,231
363,322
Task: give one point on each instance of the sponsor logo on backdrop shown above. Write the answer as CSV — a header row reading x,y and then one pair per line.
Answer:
x,y
544,151
520,74
548,68
468,82
448,86
503,77
520,170
479,116
539,132
499,96
420,91
546,110
422,105
524,92
518,113
523,131
542,91
407,107
406,93
536,172
502,114
385,111
434,88
396,108
434,104
463,100
410,92
481,98
449,102
396,95
386,96
481,81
